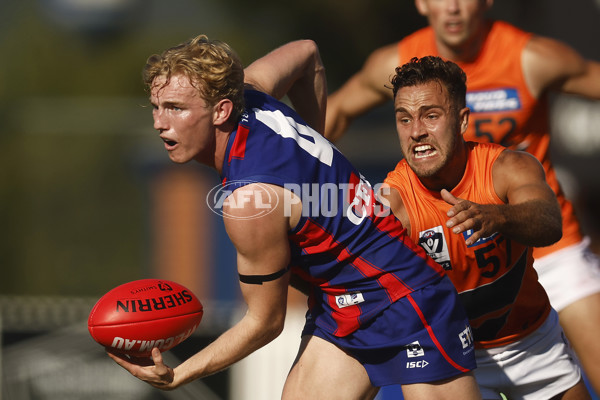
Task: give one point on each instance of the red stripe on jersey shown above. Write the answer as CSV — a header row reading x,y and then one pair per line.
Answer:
x,y
313,238
347,318
314,233
394,287
432,336
238,149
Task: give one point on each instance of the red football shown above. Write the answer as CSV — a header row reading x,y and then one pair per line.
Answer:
x,y
137,316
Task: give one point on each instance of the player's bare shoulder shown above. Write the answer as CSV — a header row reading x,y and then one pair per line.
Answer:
x,y
380,66
514,169
548,63
260,208
513,160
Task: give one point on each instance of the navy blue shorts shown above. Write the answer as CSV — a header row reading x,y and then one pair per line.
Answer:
x,y
422,337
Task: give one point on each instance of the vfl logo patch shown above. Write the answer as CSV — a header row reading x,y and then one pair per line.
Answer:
x,y
433,242
349,299
414,349
506,99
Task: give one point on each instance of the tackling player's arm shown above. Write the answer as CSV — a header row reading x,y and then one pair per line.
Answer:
x,y
296,70
364,91
390,197
551,64
262,252
530,215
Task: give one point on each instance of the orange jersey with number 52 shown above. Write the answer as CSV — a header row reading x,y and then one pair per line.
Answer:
x,y
503,110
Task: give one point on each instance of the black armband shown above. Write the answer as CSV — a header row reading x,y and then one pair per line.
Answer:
x,y
259,279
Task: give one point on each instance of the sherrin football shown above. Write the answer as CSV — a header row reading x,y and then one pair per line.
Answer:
x,y
137,316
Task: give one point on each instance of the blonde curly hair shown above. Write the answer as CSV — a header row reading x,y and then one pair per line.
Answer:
x,y
210,65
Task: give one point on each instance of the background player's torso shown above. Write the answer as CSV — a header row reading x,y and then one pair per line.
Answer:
x,y
503,109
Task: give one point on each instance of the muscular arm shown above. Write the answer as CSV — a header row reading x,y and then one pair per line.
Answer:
x,y
550,64
389,196
363,91
262,249
531,214
295,70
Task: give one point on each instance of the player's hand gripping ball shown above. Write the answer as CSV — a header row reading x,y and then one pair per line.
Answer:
x,y
137,316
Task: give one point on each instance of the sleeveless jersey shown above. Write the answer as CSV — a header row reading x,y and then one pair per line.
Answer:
x,y
355,254
495,277
503,110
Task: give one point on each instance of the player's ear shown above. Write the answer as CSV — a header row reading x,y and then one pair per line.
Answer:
x,y
463,116
222,111
421,6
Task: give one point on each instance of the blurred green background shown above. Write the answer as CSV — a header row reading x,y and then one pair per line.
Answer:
x,y
76,138
77,141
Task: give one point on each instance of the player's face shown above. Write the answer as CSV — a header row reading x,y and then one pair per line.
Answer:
x,y
456,23
183,119
429,129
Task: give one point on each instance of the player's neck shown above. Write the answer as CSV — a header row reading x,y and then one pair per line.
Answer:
x,y
465,52
452,173
222,138
213,155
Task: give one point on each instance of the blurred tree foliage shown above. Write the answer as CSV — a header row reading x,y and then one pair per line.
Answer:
x,y
72,190
78,150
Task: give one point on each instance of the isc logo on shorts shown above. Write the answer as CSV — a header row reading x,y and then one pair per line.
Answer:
x,y
417,364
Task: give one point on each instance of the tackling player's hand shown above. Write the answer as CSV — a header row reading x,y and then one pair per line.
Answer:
x,y
465,215
150,370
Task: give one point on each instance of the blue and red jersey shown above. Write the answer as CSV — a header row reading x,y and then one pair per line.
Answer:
x,y
351,249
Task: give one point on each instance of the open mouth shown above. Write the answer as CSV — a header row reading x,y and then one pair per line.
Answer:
x,y
454,26
424,150
169,142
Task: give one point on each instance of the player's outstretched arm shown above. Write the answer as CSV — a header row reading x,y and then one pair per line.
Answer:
x,y
530,215
262,254
263,257
364,91
296,70
551,64
390,197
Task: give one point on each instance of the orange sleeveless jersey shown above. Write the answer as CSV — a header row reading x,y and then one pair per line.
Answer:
x,y
503,110
495,276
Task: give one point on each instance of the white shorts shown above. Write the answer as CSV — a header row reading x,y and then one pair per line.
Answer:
x,y
540,366
569,274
